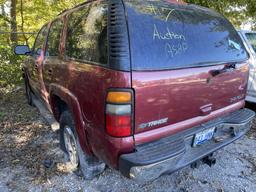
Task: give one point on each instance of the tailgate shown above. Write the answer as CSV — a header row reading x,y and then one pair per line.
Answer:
x,y
168,97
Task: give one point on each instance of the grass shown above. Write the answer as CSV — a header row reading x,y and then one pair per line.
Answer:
x,y
2,115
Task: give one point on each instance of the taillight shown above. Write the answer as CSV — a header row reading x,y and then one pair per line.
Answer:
x,y
119,113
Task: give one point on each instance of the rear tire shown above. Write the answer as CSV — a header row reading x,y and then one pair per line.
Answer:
x,y
77,159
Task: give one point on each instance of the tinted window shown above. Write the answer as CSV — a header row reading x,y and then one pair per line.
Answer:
x,y
87,34
54,38
40,40
165,36
252,40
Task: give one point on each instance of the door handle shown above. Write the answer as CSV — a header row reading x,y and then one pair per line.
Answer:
x,y
36,66
49,71
206,109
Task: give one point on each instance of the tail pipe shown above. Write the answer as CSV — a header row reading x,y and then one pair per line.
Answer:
x,y
209,160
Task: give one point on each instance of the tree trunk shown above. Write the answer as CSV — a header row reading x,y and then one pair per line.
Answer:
x,y
22,21
14,38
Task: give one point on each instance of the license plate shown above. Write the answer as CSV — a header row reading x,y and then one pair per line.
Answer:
x,y
203,136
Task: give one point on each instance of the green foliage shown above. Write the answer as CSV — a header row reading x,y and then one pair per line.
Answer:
x,y
2,115
237,11
36,13
31,15
10,70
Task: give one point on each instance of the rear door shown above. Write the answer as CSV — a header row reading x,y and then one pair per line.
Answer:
x,y
187,62
53,59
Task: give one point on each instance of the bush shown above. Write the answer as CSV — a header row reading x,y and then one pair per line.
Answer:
x,y
10,67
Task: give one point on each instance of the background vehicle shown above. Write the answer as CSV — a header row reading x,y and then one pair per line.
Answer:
x,y
249,39
145,87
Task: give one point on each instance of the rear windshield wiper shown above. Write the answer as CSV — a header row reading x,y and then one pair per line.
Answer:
x,y
226,68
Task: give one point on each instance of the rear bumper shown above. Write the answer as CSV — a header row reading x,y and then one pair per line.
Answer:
x,y
172,153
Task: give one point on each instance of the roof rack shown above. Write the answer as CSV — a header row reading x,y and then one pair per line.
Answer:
x,y
66,10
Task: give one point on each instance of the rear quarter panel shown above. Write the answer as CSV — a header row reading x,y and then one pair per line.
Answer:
x,y
90,83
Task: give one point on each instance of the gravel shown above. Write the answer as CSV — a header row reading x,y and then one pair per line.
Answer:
x,y
27,144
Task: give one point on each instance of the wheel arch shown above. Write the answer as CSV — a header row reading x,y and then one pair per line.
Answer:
x,y
62,99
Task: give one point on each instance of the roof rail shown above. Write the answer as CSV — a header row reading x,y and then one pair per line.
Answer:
x,y
66,10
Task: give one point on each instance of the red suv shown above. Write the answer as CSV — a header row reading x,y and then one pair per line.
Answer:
x,y
146,87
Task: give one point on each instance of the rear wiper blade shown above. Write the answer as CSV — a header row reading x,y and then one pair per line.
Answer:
x,y
226,68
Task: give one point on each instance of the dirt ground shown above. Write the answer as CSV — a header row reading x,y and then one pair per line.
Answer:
x,y
30,160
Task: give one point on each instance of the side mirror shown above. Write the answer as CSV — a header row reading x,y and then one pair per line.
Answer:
x,y
22,50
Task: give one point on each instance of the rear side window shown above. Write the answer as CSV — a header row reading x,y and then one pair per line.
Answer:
x,y
252,40
40,40
168,36
54,38
87,34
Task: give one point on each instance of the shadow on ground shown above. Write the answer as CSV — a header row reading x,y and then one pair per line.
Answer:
x,y
27,142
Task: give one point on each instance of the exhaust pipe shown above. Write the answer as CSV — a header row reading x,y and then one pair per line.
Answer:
x,y
209,160
195,165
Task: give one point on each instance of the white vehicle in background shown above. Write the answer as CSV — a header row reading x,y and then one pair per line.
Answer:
x,y
249,39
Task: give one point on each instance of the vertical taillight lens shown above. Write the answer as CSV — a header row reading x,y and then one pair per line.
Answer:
x,y
119,113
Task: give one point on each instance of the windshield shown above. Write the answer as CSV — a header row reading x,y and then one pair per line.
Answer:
x,y
252,40
167,36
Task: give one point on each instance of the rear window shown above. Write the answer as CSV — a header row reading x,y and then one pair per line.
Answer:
x,y
252,40
167,36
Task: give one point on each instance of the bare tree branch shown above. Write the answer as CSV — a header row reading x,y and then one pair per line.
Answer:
x,y
5,18
14,38
22,21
